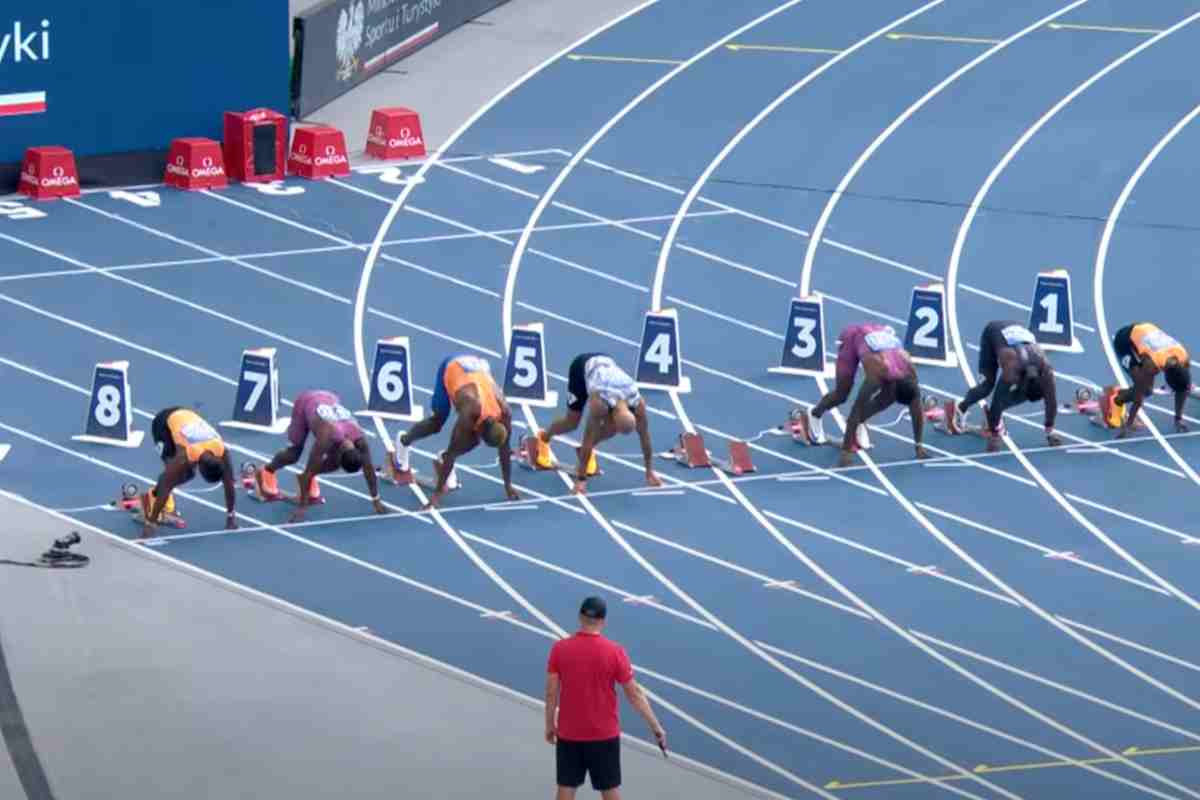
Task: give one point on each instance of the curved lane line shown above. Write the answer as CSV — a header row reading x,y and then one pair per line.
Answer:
x,y
656,302
1098,281
956,333
506,327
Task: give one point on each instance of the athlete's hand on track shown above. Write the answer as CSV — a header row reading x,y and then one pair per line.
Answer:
x,y
230,523
147,530
434,499
297,515
380,508
580,487
993,442
922,453
1181,426
1123,431
511,493
846,458
652,479
1054,440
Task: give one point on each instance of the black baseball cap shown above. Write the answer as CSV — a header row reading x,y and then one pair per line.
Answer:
x,y
594,608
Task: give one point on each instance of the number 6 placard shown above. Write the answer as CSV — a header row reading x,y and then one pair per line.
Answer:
x,y
110,411
525,378
391,382
925,339
804,340
256,406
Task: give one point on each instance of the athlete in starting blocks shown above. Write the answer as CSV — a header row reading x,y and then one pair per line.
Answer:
x,y
614,406
186,444
338,443
1144,350
463,383
1014,369
888,377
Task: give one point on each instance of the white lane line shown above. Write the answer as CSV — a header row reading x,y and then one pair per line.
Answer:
x,y
952,304
1139,647
360,359
1098,280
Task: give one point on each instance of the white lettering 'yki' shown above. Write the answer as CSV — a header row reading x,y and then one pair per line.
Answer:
x,y
21,45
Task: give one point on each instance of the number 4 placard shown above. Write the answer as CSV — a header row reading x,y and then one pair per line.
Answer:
x,y
256,406
110,411
391,382
804,340
925,339
1052,318
660,356
525,373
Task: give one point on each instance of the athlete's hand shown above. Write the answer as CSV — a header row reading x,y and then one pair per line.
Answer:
x,y
551,735
511,493
230,522
148,529
380,508
993,442
652,479
1053,439
580,487
846,458
1181,426
1123,431
922,453
297,515
434,499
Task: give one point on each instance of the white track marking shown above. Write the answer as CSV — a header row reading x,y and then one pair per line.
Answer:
x,y
956,332
1098,281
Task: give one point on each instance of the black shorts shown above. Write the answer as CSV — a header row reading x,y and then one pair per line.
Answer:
x,y
161,434
577,393
1123,347
601,760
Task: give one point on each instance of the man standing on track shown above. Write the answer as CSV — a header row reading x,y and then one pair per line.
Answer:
x,y
581,706
1144,350
888,377
464,383
186,444
338,443
614,406
1013,365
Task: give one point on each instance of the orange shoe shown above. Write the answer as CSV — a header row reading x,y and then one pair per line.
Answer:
x,y
266,483
314,493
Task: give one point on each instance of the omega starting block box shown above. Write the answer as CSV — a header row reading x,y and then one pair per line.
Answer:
x,y
395,133
194,163
318,152
255,144
48,173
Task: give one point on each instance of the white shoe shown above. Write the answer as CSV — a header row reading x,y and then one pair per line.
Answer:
x,y
863,438
401,453
816,428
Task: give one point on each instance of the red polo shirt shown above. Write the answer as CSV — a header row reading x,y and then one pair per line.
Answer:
x,y
589,667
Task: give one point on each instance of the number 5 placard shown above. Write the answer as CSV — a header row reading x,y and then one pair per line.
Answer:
x,y
525,379
804,340
256,406
925,339
391,382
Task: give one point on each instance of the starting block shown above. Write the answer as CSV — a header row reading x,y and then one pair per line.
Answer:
x,y
48,173
691,453
395,133
195,163
408,477
249,472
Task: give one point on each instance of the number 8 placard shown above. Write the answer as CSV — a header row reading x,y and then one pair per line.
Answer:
x,y
110,410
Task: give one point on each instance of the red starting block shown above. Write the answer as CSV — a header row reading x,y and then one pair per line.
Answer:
x,y
395,133
194,163
739,462
691,453
318,152
255,143
48,173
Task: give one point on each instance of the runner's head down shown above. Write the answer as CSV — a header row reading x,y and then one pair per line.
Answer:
x,y
493,433
907,390
349,459
623,419
1178,375
211,468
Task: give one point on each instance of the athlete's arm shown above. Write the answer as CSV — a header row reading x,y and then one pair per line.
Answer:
x,y
917,411
173,474
462,441
230,491
1050,398
1180,403
368,468
643,429
506,452
1143,387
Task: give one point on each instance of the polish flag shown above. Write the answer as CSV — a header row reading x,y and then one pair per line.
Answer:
x,y
22,103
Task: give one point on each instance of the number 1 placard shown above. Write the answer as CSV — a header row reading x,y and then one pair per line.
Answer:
x,y
1052,317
